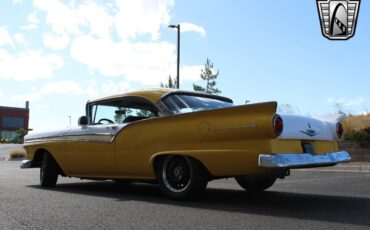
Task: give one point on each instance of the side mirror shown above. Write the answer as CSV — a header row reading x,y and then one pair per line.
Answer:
x,y
82,120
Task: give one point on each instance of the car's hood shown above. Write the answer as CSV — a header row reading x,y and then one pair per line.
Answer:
x,y
307,128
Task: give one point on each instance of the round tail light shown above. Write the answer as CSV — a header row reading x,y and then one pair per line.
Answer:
x,y
340,130
278,124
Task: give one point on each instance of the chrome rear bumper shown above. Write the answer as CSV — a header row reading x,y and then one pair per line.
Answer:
x,y
301,160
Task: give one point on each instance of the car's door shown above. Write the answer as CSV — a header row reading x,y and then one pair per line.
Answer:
x,y
90,150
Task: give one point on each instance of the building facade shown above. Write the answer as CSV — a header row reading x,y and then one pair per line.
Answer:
x,y
12,119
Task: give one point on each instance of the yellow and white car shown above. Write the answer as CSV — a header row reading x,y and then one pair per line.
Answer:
x,y
181,140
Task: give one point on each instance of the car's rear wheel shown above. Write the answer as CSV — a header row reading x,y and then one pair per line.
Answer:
x,y
49,171
181,177
255,184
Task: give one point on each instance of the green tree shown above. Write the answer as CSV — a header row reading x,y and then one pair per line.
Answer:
x,y
121,114
20,134
207,75
172,83
144,113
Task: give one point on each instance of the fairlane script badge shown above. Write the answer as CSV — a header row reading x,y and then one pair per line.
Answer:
x,y
338,19
239,126
310,132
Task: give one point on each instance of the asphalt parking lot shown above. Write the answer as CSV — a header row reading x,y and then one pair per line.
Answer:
x,y
306,200
6,149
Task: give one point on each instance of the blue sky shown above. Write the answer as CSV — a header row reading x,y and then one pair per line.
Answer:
x,y
59,54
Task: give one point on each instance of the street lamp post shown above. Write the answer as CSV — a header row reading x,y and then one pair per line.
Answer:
x,y
178,52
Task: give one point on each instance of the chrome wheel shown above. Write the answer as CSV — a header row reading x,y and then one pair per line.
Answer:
x,y
176,173
180,177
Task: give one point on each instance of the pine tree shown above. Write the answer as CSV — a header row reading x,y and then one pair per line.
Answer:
x,y
172,83
210,78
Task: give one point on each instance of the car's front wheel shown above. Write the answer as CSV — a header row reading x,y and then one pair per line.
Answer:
x,y
180,176
255,184
49,171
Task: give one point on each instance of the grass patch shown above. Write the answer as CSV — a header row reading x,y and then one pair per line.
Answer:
x,y
357,128
356,123
17,153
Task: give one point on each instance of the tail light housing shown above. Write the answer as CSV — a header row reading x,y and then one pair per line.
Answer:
x,y
340,130
277,124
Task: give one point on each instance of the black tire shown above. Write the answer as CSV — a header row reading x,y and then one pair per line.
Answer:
x,y
49,171
181,177
254,184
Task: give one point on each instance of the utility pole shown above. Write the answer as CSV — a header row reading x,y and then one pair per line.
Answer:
x,y
178,52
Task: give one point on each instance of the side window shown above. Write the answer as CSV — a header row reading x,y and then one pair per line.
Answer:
x,y
104,114
121,111
122,114
182,103
139,113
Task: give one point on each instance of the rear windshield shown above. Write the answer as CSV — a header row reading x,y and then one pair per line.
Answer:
x,y
181,103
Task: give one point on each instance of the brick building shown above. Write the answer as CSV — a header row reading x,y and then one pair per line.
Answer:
x,y
11,119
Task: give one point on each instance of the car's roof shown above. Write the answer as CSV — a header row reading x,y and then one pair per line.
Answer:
x,y
153,94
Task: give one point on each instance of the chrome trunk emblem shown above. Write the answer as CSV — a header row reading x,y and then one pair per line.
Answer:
x,y
310,132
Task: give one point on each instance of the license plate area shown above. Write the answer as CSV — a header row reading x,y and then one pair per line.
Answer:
x,y
308,148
